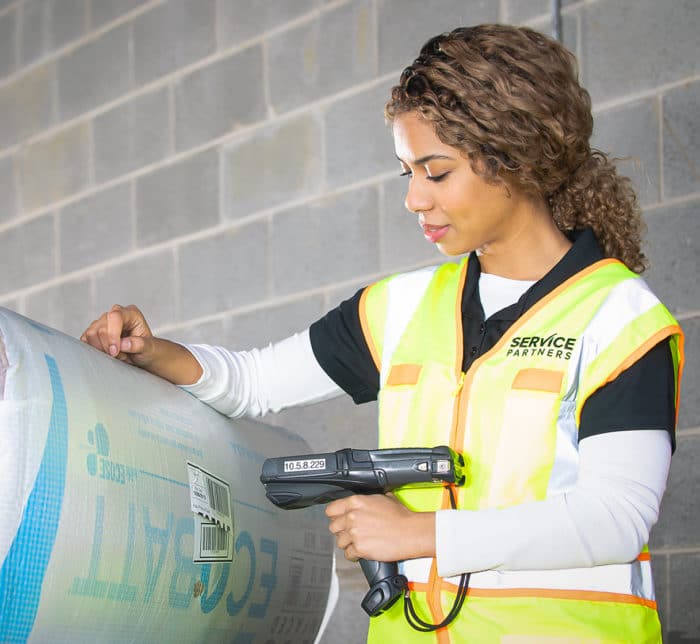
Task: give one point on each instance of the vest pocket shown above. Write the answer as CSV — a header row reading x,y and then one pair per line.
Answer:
x,y
539,380
416,405
524,453
403,374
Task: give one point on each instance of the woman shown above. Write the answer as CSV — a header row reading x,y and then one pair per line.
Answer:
x,y
541,356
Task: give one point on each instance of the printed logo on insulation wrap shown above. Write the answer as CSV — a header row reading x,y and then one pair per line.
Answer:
x,y
100,465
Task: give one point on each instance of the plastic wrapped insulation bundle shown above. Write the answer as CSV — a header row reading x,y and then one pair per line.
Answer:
x,y
101,466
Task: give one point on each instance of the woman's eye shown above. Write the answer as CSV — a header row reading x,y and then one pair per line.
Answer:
x,y
438,177
407,173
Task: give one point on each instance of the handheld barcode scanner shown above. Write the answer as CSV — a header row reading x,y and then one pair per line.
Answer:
x,y
293,482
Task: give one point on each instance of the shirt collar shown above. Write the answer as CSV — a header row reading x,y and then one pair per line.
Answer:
x,y
584,251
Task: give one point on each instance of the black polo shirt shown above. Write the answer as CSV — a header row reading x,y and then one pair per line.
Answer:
x,y
641,397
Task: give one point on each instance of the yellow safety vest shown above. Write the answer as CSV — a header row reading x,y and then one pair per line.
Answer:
x,y
515,416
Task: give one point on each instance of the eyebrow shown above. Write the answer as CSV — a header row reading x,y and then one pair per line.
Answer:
x,y
427,158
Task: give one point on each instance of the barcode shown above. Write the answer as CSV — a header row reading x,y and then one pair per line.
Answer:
x,y
214,539
218,498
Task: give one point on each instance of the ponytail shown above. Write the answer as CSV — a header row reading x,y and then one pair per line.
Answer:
x,y
596,196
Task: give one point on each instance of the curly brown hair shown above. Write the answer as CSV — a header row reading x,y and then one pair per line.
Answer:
x,y
510,99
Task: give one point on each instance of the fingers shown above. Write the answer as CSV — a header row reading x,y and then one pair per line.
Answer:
x,y
121,330
344,515
379,527
339,507
111,335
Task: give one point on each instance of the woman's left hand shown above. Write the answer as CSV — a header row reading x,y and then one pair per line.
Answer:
x,y
380,528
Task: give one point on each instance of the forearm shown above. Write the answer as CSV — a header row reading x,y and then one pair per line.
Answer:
x,y
174,363
252,383
604,519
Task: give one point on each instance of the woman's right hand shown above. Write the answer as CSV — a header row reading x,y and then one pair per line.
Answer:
x,y
123,333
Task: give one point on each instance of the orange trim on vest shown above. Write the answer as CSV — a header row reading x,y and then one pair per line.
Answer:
x,y
364,323
436,582
644,556
435,605
681,364
458,320
547,593
639,352
539,380
404,374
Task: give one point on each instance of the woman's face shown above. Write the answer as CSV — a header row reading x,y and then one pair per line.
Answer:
x,y
457,210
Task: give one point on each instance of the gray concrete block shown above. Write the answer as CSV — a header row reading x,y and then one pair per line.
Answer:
x,y
84,85
34,27
8,117
26,105
8,40
54,168
630,133
358,143
272,165
172,35
211,332
689,415
219,98
104,11
131,135
178,199
405,25
273,323
519,11
681,136
34,95
147,281
569,30
48,25
28,255
684,618
331,240
67,22
240,20
332,424
66,306
679,521
403,243
334,296
629,46
8,193
336,50
96,228
224,271
673,248
12,303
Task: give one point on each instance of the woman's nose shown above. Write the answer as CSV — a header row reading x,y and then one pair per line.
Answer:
x,y
417,197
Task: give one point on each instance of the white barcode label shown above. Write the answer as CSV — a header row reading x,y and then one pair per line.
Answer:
x,y
305,465
210,496
211,541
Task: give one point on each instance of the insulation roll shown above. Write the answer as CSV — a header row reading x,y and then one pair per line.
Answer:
x,y
101,465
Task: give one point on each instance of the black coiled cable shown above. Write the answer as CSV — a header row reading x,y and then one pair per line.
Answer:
x,y
426,627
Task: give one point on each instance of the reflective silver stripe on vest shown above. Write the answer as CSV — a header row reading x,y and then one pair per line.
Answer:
x,y
404,294
625,579
625,302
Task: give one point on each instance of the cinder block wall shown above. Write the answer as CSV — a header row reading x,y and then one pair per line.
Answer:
x,y
224,164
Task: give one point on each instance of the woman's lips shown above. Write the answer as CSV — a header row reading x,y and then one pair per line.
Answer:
x,y
434,233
